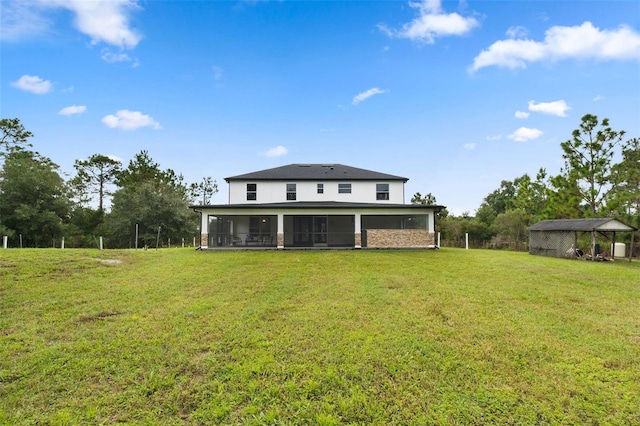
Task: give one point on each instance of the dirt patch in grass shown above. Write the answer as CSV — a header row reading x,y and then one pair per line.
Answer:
x,y
99,316
110,261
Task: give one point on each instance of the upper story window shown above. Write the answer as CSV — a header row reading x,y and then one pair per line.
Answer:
x,y
291,191
252,191
321,188
382,191
344,188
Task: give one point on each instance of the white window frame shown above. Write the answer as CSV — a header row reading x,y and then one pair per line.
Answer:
x,y
344,188
252,195
382,194
291,192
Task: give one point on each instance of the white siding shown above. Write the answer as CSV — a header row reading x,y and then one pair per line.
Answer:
x,y
276,192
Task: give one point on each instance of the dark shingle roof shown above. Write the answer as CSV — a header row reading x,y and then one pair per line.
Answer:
x,y
316,172
582,225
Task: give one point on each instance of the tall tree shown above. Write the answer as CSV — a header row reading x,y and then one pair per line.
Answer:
x,y
152,208
152,198
203,190
427,200
564,199
13,135
531,196
626,177
93,177
143,169
33,198
588,157
498,201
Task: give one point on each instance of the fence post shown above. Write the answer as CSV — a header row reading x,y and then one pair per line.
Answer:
x,y
5,241
466,241
62,243
438,239
182,242
101,243
194,241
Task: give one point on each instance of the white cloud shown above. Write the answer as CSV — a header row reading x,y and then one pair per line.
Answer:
x,y
432,23
72,110
524,134
558,108
105,21
522,114
494,138
366,95
113,57
469,146
578,42
276,152
129,120
516,32
598,98
20,19
33,84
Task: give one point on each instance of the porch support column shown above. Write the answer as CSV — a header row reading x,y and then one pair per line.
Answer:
x,y
204,230
358,231
280,232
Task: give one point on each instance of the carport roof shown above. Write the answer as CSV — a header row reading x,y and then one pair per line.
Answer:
x,y
582,225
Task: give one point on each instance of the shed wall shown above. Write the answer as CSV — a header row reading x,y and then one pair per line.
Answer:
x,y
551,243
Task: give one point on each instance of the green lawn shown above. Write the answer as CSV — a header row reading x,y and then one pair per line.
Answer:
x,y
178,336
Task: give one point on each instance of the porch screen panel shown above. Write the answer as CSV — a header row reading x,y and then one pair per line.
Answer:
x,y
420,221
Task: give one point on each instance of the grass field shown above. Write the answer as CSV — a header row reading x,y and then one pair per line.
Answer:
x,y
317,337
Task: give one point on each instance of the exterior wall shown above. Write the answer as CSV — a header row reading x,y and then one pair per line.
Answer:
x,y
276,192
399,238
552,243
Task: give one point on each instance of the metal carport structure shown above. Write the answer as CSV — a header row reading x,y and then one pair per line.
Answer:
x,y
557,237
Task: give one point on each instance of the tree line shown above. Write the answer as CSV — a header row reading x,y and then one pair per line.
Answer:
x,y
600,178
38,207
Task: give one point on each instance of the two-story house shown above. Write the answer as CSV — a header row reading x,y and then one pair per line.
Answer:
x,y
317,205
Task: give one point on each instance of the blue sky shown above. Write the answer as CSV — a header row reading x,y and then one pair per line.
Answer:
x,y
455,96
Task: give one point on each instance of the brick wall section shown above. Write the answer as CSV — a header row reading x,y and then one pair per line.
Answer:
x,y
204,240
399,238
280,240
358,238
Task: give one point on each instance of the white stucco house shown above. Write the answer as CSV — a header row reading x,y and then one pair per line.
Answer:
x,y
317,206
